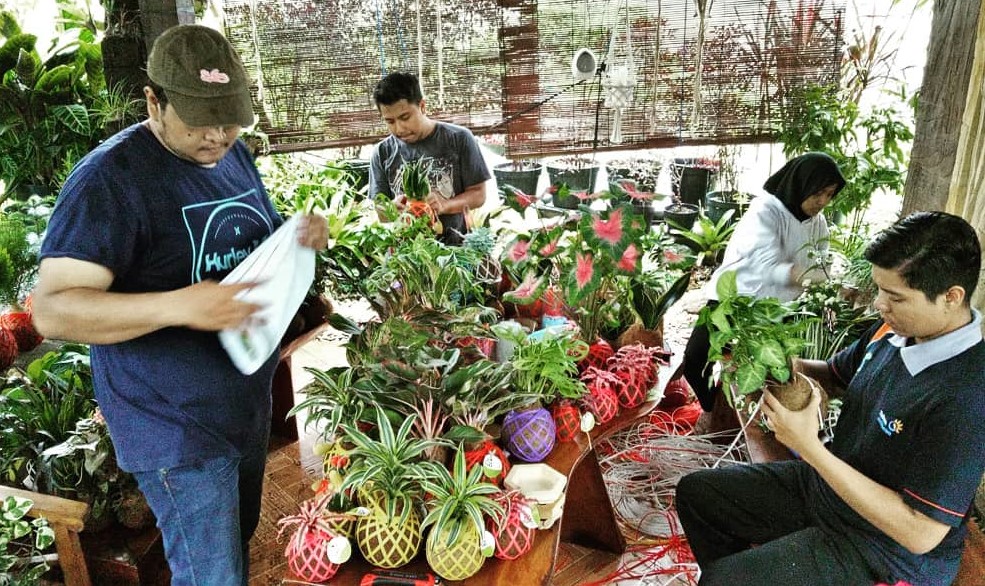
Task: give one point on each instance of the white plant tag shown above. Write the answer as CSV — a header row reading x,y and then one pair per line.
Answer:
x,y
360,511
339,550
488,544
527,516
491,465
587,421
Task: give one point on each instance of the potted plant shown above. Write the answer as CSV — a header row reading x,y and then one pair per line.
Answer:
x,y
386,472
315,550
643,172
460,501
53,110
627,191
691,178
18,267
21,541
680,215
709,239
756,341
569,176
651,295
521,175
728,197
544,367
331,399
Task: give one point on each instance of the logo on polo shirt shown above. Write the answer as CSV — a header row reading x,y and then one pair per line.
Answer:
x,y
888,427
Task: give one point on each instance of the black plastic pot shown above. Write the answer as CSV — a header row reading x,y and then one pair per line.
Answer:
x,y
690,182
681,215
359,169
582,179
520,175
719,202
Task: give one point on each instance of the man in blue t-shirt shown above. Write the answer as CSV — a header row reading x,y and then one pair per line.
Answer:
x,y
145,227
889,502
456,170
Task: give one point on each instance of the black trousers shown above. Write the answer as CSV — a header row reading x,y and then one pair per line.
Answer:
x,y
697,369
725,511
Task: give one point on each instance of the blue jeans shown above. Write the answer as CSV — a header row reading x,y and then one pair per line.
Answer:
x,y
207,513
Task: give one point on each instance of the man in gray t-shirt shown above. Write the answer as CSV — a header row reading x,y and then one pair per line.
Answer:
x,y
458,173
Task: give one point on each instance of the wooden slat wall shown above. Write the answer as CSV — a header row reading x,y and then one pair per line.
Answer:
x,y
506,67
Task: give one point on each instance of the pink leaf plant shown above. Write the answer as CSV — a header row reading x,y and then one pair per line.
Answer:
x,y
529,290
516,199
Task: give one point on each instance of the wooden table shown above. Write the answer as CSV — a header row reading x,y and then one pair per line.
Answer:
x,y
588,518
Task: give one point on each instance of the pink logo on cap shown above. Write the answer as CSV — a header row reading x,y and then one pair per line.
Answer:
x,y
214,76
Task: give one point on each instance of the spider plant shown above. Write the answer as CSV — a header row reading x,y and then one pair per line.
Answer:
x,y
459,498
709,238
388,470
331,399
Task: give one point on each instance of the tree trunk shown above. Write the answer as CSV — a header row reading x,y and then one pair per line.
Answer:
x,y
942,103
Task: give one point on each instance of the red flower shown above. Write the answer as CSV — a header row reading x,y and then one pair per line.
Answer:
x,y
584,270
629,259
518,251
609,230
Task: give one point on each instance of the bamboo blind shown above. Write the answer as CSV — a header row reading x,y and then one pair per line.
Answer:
x,y
503,67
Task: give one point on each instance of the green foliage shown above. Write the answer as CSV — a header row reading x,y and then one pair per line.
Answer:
x,y
653,292
709,238
414,179
831,320
459,497
20,539
870,147
387,469
330,400
423,272
753,338
18,259
53,109
547,367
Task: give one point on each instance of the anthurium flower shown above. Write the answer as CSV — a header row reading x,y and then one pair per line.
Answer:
x,y
529,290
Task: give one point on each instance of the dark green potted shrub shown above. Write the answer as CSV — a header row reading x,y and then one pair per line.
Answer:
x,y
640,170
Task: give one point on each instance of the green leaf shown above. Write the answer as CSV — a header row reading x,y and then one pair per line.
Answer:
x,y
74,116
770,352
726,287
750,377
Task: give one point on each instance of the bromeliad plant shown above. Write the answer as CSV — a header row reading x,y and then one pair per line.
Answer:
x,y
459,504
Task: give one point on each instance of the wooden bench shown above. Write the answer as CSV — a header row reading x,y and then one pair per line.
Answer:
x,y
763,447
65,517
588,518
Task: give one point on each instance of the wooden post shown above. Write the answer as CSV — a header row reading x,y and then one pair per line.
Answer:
x,y
942,104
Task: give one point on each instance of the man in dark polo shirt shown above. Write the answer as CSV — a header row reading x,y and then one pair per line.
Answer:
x,y
890,500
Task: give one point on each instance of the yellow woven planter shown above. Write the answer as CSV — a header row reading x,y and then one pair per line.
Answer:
x,y
386,543
461,559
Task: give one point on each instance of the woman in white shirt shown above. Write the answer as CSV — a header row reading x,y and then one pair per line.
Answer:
x,y
776,246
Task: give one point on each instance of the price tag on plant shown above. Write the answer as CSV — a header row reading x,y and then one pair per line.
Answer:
x,y
587,421
529,517
339,550
492,466
488,544
360,511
